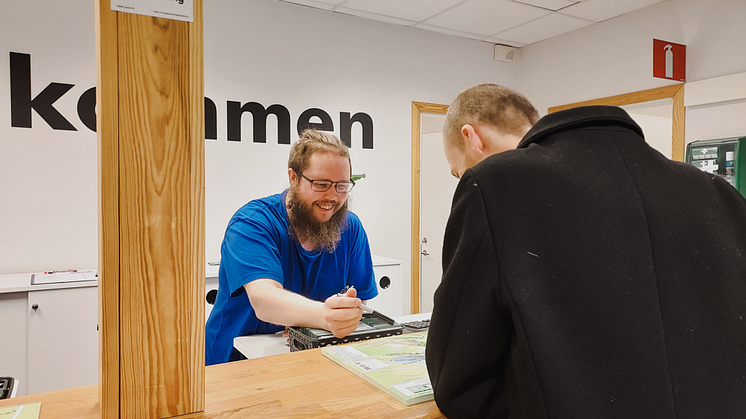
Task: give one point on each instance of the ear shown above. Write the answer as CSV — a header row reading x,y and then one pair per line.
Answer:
x,y
292,176
472,138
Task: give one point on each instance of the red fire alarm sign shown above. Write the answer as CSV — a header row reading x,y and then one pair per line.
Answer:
x,y
669,60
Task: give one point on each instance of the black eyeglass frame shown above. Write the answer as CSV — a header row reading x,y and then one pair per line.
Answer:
x,y
316,188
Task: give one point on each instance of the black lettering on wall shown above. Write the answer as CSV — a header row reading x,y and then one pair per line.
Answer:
x,y
345,128
304,120
259,117
87,108
211,120
21,103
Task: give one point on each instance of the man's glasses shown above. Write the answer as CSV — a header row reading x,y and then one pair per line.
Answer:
x,y
324,185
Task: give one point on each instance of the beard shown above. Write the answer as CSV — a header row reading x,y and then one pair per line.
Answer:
x,y
307,229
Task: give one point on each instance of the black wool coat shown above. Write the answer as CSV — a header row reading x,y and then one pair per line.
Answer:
x,y
587,276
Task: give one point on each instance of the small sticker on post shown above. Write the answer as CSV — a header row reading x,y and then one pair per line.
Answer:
x,y
182,10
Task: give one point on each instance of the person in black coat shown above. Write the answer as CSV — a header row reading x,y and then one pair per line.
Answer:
x,y
585,275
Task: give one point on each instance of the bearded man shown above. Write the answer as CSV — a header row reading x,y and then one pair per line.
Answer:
x,y
285,257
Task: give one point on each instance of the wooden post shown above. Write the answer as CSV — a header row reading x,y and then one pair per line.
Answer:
x,y
150,124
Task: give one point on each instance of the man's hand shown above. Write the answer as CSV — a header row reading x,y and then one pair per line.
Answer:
x,y
273,304
343,314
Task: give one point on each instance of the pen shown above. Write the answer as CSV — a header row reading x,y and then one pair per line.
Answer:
x,y
384,318
363,306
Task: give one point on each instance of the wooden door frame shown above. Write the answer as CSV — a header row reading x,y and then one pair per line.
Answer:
x,y
675,92
418,108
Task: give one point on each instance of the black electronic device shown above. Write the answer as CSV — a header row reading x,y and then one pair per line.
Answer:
x,y
418,325
371,327
8,386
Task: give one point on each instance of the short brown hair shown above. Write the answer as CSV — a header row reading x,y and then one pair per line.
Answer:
x,y
499,107
311,141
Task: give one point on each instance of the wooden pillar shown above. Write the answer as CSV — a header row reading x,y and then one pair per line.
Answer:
x,y
150,124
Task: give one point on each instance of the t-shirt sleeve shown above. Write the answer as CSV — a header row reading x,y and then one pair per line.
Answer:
x,y
250,251
361,273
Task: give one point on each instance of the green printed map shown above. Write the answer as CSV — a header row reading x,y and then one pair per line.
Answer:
x,y
395,364
24,411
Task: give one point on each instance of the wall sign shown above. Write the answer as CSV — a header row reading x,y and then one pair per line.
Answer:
x,y
23,104
170,9
669,60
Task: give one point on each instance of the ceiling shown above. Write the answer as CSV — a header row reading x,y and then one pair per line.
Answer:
x,y
509,22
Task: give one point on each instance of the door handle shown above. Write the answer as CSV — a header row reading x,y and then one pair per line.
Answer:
x,y
425,253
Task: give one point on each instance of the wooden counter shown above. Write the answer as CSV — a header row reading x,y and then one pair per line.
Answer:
x,y
295,385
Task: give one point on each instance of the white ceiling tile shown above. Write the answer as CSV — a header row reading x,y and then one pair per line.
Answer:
x,y
495,40
416,10
486,17
448,31
549,4
543,28
311,3
373,16
510,22
598,10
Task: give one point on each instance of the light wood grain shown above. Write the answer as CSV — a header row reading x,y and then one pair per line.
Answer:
x,y
107,124
418,108
196,253
678,142
156,102
294,385
676,92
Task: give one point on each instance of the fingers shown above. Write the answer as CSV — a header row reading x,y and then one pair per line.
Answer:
x,y
344,331
343,314
350,300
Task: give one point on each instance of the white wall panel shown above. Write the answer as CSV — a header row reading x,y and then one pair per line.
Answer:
x,y
260,50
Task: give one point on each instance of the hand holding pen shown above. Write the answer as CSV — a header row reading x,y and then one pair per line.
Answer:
x,y
367,309
342,312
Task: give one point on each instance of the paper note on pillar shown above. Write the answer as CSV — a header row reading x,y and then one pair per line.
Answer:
x,y
669,60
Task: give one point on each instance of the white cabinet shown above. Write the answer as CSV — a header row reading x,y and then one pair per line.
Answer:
x,y
388,273
13,344
48,336
62,338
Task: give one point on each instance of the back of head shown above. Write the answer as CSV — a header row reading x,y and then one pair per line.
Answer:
x,y
312,141
504,109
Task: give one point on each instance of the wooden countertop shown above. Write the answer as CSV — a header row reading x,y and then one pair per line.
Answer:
x,y
294,385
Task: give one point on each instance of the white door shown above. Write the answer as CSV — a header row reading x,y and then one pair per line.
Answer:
x,y
436,194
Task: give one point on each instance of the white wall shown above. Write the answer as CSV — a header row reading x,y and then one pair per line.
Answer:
x,y
48,187
272,52
719,120
615,56
259,50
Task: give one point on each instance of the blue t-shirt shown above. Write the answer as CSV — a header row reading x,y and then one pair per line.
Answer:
x,y
257,244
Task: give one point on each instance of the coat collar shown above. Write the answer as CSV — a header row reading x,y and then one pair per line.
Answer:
x,y
583,116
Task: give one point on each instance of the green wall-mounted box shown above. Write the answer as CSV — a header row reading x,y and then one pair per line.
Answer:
x,y
725,157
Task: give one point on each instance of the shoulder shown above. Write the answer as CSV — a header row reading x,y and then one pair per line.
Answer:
x,y
353,226
580,117
270,209
263,206
352,218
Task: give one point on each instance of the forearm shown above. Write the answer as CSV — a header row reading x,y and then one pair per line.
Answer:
x,y
276,305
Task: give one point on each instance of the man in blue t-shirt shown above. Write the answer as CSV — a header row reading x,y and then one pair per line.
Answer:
x,y
285,257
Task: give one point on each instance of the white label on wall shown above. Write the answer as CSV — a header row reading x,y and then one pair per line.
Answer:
x,y
170,9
